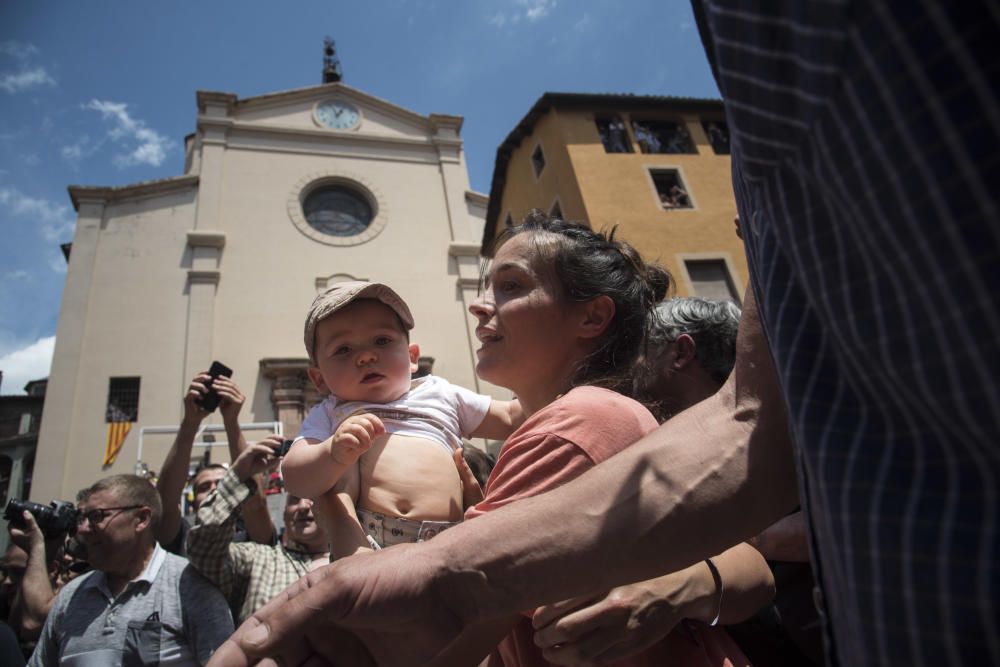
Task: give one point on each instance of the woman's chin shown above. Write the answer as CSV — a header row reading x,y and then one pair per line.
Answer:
x,y
486,370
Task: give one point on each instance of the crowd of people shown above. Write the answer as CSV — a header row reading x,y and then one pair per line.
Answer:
x,y
680,482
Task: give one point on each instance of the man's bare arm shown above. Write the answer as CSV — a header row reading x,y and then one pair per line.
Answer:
x,y
174,473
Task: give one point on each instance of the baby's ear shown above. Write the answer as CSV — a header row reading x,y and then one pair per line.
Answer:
x,y
414,356
317,379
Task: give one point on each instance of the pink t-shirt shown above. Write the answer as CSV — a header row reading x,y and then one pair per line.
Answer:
x,y
558,443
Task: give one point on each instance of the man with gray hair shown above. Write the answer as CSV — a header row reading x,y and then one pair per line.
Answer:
x,y
140,605
690,351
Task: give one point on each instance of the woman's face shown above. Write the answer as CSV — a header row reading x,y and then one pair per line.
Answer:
x,y
526,333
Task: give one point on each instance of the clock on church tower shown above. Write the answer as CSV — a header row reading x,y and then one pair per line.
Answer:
x,y
337,115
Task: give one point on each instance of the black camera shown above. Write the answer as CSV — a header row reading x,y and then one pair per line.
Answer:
x,y
285,446
54,520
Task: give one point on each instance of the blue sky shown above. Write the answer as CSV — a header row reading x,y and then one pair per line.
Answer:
x,y
103,93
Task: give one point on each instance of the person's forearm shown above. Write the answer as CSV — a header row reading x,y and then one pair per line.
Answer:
x,y
234,436
747,583
256,518
173,477
708,478
36,596
309,470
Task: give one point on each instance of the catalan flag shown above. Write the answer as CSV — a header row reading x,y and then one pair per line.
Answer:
x,y
119,425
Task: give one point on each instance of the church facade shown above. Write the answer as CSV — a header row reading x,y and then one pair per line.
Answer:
x,y
282,195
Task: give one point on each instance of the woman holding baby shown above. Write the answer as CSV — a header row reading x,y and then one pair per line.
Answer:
x,y
561,323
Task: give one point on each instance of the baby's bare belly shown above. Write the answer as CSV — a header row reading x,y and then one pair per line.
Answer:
x,y
410,477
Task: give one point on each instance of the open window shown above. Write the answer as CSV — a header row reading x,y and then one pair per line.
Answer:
x,y
661,136
710,279
718,135
123,400
613,134
670,189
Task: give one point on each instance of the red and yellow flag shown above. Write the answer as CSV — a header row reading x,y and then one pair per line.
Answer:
x,y
117,432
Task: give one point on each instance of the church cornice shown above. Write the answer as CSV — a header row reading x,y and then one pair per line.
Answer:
x,y
319,136
112,195
234,105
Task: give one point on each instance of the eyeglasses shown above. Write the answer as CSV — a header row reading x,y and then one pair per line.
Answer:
x,y
96,517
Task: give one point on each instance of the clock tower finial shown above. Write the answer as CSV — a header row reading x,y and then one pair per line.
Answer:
x,y
331,64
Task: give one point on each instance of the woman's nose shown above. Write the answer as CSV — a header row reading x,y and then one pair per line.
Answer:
x,y
481,306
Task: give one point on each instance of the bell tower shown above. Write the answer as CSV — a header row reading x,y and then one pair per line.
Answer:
x,y
331,64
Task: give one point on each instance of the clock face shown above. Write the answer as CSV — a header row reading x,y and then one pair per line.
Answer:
x,y
337,115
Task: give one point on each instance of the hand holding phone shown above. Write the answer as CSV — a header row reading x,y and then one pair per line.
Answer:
x,y
210,401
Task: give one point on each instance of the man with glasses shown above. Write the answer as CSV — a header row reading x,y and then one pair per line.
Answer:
x,y
140,605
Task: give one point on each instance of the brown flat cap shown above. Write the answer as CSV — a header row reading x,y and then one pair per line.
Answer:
x,y
339,295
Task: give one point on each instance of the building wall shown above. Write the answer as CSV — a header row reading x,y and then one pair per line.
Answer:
x,y
160,285
524,192
606,189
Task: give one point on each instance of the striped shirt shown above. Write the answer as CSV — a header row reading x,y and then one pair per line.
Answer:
x,y
865,161
247,573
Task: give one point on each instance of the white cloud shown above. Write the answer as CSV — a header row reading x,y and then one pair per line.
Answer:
x,y
19,274
152,146
535,10
78,150
56,220
26,364
583,23
530,10
19,50
25,79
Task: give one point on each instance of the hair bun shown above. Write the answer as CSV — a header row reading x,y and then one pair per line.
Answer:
x,y
659,281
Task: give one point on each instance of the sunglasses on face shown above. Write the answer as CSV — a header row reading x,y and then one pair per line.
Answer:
x,y
96,517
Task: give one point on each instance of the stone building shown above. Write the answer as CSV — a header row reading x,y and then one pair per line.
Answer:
x,y
657,167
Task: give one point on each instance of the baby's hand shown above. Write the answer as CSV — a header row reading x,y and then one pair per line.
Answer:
x,y
354,436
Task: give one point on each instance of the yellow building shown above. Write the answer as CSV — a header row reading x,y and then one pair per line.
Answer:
x,y
657,167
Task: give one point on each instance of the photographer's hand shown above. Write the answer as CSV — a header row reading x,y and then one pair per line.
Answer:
x,y
193,413
258,457
231,399
29,537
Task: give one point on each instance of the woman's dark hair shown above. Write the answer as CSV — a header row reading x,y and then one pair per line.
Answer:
x,y
588,264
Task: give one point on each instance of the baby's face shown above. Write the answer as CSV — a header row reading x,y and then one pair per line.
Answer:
x,y
362,354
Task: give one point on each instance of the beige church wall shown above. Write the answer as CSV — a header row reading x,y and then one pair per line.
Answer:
x,y
135,326
267,257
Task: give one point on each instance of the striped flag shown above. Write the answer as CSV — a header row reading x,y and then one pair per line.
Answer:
x,y
119,425
117,431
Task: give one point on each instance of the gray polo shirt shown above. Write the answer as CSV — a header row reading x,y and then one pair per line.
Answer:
x,y
168,616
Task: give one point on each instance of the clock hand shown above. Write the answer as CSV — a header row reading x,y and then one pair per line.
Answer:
x,y
337,112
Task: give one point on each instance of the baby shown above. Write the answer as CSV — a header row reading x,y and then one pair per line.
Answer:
x,y
377,454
